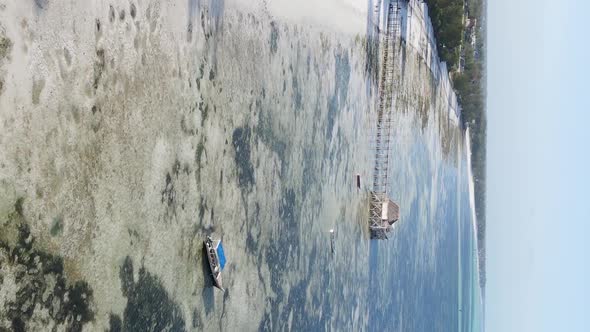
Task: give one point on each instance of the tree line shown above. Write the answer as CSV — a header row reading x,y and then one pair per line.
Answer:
x,y
455,47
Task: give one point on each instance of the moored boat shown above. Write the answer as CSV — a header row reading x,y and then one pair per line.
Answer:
x,y
216,258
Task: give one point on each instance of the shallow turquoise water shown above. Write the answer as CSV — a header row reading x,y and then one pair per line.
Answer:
x,y
422,283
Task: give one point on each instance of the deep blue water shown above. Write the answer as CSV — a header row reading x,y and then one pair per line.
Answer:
x,y
418,269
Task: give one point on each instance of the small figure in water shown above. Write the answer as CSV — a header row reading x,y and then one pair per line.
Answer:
x,y
332,245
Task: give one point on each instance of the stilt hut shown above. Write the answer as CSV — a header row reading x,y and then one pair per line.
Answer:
x,y
384,213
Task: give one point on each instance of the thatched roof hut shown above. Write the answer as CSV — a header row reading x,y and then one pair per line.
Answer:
x,y
390,212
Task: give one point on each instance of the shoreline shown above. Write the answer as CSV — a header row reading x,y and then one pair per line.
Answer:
x,y
472,205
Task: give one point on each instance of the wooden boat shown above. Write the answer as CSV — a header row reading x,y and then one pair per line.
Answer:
x,y
216,258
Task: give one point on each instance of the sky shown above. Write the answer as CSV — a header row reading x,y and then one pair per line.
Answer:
x,y
538,207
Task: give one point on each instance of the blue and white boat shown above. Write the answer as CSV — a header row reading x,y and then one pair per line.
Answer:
x,y
216,258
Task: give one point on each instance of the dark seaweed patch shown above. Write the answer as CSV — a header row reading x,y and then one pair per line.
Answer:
x,y
111,14
403,65
221,184
149,307
99,64
331,116
266,133
132,10
67,304
56,226
18,206
297,99
67,56
202,208
41,4
199,152
252,239
185,129
169,193
189,32
304,319
310,173
196,319
342,68
176,168
201,70
372,58
274,37
126,276
338,99
241,142
277,257
5,47
204,111
17,324
115,324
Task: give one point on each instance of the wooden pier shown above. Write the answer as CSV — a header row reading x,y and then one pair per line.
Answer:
x,y
381,208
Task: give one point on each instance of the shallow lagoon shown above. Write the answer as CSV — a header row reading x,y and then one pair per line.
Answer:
x,y
130,131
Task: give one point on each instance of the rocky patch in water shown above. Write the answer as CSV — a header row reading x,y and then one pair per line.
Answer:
x,y
35,293
149,307
241,142
5,49
278,256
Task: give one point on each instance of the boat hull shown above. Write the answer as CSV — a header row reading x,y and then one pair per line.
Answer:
x,y
213,259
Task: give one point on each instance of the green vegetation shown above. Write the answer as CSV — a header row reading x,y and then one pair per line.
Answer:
x,y
470,91
462,46
447,21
